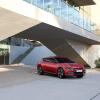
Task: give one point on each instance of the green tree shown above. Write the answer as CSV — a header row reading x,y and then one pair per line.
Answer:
x,y
97,62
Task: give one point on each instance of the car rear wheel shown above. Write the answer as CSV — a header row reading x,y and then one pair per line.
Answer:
x,y
60,73
40,70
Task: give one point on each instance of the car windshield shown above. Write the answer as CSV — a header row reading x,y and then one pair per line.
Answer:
x,y
64,60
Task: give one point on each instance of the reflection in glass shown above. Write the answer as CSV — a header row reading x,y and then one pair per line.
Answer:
x,y
64,11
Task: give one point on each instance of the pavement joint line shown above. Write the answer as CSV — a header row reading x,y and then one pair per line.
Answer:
x,y
95,96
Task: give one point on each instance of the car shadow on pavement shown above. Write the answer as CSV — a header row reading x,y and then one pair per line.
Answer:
x,y
65,77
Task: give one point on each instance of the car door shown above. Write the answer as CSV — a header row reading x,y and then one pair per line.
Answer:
x,y
51,66
46,64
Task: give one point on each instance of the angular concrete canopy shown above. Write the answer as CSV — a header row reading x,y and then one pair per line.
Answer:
x,y
54,35
47,33
56,40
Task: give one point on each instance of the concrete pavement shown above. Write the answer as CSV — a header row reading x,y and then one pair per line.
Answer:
x,y
16,74
37,87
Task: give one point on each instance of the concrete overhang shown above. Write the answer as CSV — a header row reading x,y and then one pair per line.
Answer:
x,y
81,2
13,23
51,36
37,15
56,40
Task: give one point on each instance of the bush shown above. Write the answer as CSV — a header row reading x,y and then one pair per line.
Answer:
x,y
97,62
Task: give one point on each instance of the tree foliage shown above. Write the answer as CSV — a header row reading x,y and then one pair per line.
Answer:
x,y
97,62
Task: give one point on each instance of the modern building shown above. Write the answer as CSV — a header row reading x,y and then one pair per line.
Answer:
x,y
96,16
65,27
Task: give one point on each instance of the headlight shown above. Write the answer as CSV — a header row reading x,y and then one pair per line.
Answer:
x,y
69,68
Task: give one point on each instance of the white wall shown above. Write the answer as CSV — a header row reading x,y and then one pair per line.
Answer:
x,y
15,51
93,54
88,52
80,48
36,54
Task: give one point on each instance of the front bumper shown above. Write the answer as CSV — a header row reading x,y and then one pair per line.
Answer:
x,y
74,73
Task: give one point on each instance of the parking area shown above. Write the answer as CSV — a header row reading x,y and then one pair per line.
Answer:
x,y
20,83
16,74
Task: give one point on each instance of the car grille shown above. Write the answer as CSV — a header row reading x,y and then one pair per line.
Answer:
x,y
78,73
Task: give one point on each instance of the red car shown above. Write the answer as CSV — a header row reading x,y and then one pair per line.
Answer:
x,y
60,66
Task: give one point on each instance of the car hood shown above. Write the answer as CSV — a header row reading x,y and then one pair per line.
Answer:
x,y
73,65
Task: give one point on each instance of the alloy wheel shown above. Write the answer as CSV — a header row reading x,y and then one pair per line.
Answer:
x,y
60,73
40,71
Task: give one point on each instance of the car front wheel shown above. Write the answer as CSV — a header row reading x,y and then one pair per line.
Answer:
x,y
40,70
60,73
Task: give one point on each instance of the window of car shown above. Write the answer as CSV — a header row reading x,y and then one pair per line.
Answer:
x,y
52,60
64,60
46,60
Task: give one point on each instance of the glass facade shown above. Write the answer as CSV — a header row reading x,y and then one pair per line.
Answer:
x,y
12,42
4,53
65,11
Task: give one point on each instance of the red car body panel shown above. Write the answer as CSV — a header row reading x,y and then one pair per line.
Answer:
x,y
70,69
48,67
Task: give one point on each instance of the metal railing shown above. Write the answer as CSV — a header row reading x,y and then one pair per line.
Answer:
x,y
65,11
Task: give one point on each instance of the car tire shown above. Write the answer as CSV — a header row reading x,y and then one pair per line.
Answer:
x,y
40,70
60,73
